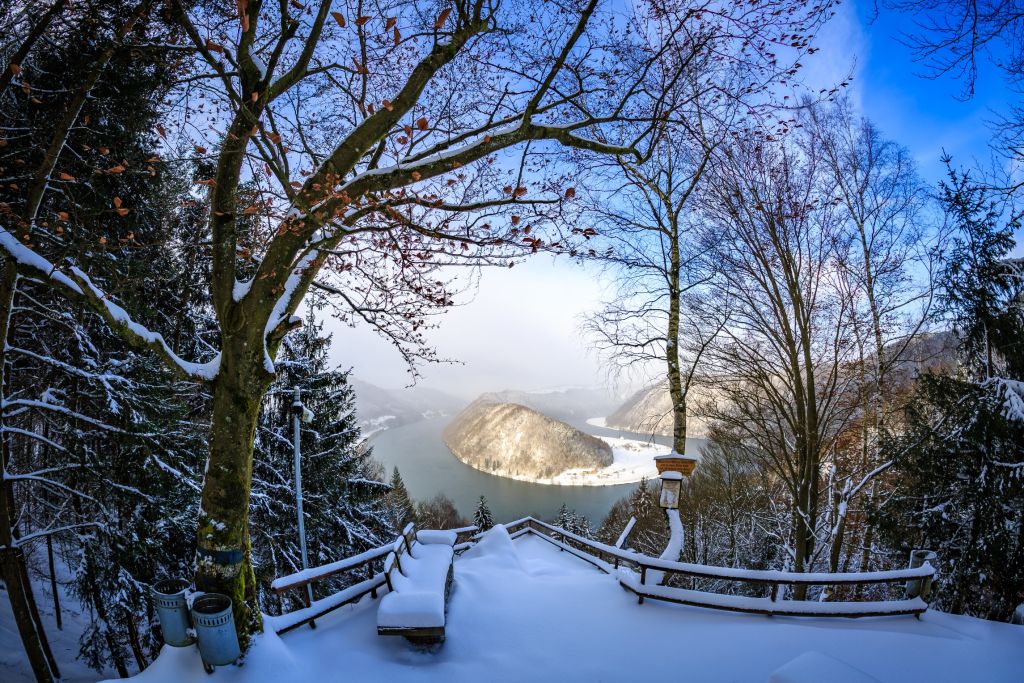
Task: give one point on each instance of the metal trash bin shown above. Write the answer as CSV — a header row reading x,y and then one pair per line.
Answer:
x,y
920,587
172,611
214,622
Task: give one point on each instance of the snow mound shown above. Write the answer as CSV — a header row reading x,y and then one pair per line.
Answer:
x,y
815,667
411,609
495,546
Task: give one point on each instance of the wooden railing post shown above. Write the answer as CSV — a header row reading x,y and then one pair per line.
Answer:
x,y
643,581
306,593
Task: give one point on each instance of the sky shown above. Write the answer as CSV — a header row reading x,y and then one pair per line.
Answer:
x,y
520,329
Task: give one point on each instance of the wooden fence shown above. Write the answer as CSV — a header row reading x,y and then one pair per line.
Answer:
x,y
638,573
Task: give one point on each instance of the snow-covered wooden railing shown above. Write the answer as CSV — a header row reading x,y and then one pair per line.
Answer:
x,y
313,610
632,569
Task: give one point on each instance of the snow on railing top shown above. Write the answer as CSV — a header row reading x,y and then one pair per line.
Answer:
x,y
301,578
749,575
625,532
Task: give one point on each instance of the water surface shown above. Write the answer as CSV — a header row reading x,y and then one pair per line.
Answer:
x,y
429,468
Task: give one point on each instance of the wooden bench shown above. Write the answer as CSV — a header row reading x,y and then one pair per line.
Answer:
x,y
418,573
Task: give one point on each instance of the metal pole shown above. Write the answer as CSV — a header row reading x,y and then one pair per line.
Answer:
x,y
297,426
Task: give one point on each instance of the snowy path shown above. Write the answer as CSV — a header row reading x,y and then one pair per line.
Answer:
x,y
522,611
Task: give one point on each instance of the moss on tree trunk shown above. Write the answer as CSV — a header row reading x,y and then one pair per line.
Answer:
x,y
223,557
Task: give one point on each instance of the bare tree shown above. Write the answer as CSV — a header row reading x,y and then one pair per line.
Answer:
x,y
370,144
645,223
774,236
887,266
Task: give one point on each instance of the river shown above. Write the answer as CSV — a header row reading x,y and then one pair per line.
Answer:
x,y
429,468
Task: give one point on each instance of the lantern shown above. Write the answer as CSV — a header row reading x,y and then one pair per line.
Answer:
x,y
671,470
671,483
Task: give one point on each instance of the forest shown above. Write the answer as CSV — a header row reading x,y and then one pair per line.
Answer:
x,y
189,189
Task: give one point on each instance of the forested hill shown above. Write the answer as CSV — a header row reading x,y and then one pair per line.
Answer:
x,y
512,440
649,411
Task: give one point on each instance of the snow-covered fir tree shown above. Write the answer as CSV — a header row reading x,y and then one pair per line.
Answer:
x,y
103,442
959,461
573,522
344,498
400,507
482,516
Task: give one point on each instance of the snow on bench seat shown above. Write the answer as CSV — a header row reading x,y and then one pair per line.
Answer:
x,y
411,609
418,574
426,569
436,537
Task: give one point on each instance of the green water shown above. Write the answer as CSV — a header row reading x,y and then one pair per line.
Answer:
x,y
429,468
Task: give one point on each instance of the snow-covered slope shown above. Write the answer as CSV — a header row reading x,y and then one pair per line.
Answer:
x,y
649,411
509,439
522,611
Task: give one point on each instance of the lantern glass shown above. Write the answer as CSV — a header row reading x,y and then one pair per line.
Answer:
x,y
670,487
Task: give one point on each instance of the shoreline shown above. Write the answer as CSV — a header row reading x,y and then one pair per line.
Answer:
x,y
632,460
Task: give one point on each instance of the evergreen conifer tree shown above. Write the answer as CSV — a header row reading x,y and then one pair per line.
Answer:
x,y
957,461
401,510
345,503
482,517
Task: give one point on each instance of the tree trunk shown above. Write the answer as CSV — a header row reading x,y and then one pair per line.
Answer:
x,y
12,558
675,380
53,582
223,562
10,567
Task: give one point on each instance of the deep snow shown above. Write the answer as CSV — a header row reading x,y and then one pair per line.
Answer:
x,y
523,611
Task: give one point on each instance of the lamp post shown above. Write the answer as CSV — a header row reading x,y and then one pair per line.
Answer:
x,y
300,414
671,470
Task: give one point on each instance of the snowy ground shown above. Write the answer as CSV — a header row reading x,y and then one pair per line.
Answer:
x,y
522,611
633,460
14,666
598,422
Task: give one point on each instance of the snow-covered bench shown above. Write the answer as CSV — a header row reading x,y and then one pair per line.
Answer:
x,y
419,576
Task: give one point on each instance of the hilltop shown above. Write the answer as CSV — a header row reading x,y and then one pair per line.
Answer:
x,y
509,439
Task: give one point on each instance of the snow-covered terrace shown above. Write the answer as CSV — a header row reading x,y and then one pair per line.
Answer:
x,y
521,610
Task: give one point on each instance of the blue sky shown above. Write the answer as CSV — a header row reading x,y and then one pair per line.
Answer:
x,y
520,329
924,114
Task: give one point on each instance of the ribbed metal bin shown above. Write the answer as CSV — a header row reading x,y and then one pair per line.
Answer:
x,y
214,623
920,587
172,611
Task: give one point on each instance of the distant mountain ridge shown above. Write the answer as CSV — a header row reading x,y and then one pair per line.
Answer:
x,y
379,408
571,402
513,440
649,410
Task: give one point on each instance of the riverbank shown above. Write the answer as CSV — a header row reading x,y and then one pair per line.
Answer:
x,y
633,460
